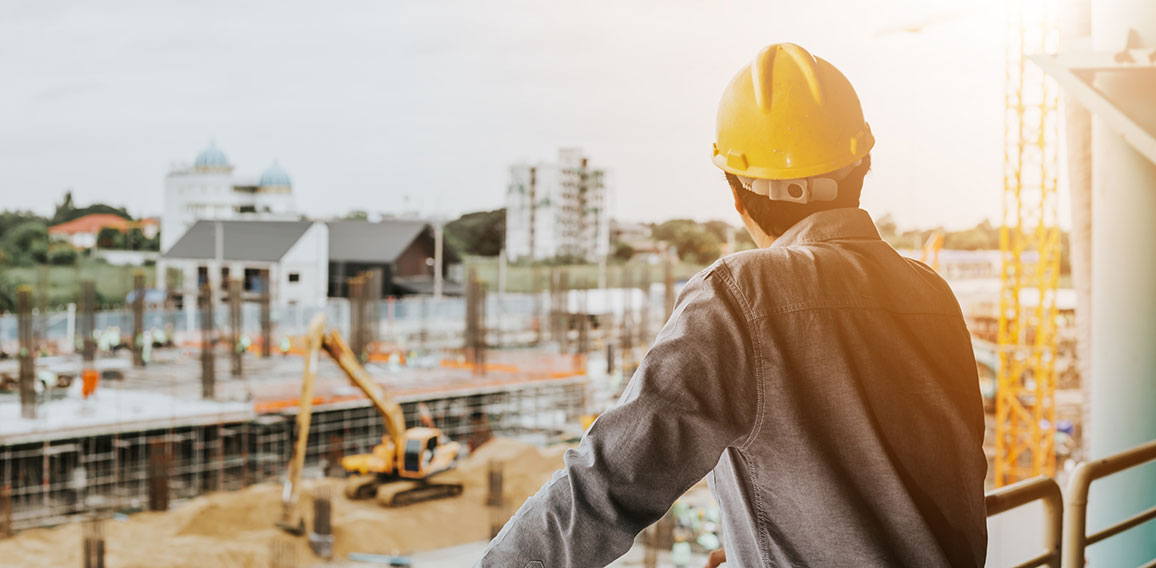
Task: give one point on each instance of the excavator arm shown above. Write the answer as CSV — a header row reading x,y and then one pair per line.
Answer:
x,y
389,409
429,457
320,338
290,521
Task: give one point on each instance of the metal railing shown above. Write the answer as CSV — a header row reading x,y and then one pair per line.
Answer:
x,y
1028,491
1076,537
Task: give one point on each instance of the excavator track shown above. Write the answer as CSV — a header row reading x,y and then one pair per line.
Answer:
x,y
402,493
361,487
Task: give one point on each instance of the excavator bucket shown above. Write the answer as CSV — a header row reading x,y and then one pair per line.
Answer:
x,y
295,529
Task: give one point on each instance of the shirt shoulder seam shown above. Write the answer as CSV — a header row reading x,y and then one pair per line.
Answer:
x,y
728,281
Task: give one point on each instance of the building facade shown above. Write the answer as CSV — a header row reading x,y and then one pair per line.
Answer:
x,y
557,210
303,263
209,189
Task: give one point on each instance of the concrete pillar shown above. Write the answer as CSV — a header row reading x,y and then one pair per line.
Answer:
x,y
161,275
1075,37
439,244
1123,287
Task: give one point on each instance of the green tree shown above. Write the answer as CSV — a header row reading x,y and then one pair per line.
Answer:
x,y
110,238
357,215
62,256
981,237
481,233
66,210
12,219
153,244
623,252
25,243
134,239
887,226
695,242
7,294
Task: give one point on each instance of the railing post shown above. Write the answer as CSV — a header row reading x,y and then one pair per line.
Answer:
x,y
1076,516
1027,491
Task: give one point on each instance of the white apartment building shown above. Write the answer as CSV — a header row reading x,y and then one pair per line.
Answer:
x,y
208,189
557,210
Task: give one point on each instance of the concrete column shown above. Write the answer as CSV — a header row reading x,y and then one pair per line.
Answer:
x,y
439,240
1123,288
1075,37
189,294
70,330
160,278
215,279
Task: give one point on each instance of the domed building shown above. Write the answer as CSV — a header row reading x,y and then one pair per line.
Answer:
x,y
275,180
210,189
212,158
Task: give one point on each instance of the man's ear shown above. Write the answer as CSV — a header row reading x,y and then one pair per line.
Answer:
x,y
738,202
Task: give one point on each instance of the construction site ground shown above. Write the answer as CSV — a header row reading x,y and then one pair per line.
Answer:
x,y
237,528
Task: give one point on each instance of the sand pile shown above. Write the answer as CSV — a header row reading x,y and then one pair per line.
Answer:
x,y
236,529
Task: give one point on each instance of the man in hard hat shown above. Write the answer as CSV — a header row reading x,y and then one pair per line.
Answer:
x,y
824,384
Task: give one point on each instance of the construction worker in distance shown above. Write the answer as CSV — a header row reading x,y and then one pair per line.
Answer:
x,y
823,383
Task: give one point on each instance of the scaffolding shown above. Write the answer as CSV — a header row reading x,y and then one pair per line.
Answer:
x,y
1030,248
58,478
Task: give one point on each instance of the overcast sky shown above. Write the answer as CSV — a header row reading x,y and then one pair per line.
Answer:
x,y
391,105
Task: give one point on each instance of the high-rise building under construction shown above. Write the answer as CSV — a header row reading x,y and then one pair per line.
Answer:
x,y
557,210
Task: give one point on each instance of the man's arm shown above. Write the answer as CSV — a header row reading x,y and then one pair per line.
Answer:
x,y
695,394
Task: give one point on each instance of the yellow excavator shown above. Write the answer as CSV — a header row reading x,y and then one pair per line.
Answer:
x,y
399,469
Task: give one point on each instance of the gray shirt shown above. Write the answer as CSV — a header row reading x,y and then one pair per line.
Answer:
x,y
828,387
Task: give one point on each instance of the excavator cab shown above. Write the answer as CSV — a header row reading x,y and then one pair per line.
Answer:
x,y
418,455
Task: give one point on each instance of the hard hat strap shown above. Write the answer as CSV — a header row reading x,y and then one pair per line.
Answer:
x,y
802,190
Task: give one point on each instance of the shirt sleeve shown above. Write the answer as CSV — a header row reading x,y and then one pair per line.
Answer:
x,y
694,395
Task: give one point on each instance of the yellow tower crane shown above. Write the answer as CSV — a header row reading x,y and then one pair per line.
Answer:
x,y
1025,423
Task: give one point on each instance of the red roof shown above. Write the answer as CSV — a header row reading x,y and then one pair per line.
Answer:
x,y
90,224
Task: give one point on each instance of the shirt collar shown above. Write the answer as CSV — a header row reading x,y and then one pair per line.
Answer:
x,y
829,225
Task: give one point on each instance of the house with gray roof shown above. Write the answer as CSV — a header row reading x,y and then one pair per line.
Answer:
x,y
301,263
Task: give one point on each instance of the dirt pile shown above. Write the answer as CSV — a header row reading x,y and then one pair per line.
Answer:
x,y
236,529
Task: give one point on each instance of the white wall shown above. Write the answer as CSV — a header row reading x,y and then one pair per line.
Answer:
x,y
128,258
309,259
192,194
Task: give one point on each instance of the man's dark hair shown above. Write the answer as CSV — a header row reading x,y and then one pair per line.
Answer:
x,y
775,217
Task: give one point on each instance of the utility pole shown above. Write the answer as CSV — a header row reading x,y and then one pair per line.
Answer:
x,y
138,303
27,352
235,324
87,322
266,316
668,280
533,208
439,258
208,363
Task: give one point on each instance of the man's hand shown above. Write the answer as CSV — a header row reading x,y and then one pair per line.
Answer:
x,y
716,558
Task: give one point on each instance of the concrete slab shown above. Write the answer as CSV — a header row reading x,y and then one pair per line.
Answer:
x,y
111,410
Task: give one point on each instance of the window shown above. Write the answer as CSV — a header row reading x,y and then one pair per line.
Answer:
x,y
294,277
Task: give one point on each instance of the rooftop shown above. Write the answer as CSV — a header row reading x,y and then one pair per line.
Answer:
x,y
92,223
262,241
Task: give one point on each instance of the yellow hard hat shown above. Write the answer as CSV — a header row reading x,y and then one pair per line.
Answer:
x,y
789,115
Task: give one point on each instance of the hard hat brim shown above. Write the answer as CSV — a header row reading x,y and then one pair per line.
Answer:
x,y
810,170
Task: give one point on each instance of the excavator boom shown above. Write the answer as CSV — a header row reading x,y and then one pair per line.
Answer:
x,y
389,409
426,455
